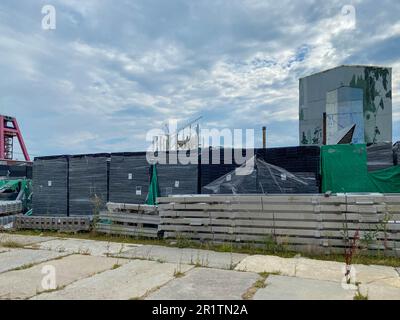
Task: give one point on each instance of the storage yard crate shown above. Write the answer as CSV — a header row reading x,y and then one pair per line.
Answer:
x,y
50,186
129,178
88,184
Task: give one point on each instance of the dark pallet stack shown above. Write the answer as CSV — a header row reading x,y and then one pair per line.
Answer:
x,y
174,177
396,153
16,171
293,159
216,163
88,184
303,162
129,178
380,156
50,186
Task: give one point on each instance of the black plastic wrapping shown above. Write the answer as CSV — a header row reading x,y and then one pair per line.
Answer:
x,y
16,171
88,176
50,186
380,156
129,178
259,177
300,161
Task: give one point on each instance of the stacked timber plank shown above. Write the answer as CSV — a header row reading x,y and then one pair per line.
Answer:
x,y
129,178
88,184
129,219
50,186
299,222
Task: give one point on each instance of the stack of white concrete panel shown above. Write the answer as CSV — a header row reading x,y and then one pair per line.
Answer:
x,y
129,219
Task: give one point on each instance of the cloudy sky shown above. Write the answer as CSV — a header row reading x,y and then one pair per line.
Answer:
x,y
112,70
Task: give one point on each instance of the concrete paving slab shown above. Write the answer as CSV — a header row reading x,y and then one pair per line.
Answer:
x,y
21,239
23,284
203,258
85,247
19,258
320,270
270,264
207,284
131,281
293,288
392,282
368,274
380,292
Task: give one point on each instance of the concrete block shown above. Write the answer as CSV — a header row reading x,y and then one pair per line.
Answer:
x,y
293,288
203,258
207,284
131,281
380,292
23,284
367,274
86,247
320,270
18,258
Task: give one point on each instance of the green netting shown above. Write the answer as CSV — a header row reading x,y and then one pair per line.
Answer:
x,y
344,169
153,189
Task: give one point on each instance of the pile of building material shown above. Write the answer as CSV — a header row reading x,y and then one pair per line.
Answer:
x,y
129,219
312,223
177,179
23,170
10,207
61,224
129,178
50,186
380,156
302,162
258,177
88,184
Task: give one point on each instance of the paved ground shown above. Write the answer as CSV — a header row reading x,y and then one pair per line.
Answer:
x,y
51,268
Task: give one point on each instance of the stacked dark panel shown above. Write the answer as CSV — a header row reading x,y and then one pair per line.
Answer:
x,y
293,159
16,171
88,184
303,162
129,178
216,163
175,177
380,156
396,153
50,186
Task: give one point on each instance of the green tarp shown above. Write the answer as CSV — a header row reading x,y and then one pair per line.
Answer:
x,y
153,189
344,169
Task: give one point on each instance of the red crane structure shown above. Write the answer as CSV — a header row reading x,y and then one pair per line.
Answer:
x,y
8,131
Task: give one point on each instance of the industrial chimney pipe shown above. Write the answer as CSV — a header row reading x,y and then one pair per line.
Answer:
x,y
264,136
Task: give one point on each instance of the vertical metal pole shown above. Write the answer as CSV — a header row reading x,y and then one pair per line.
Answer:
x,y
2,151
324,129
264,136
